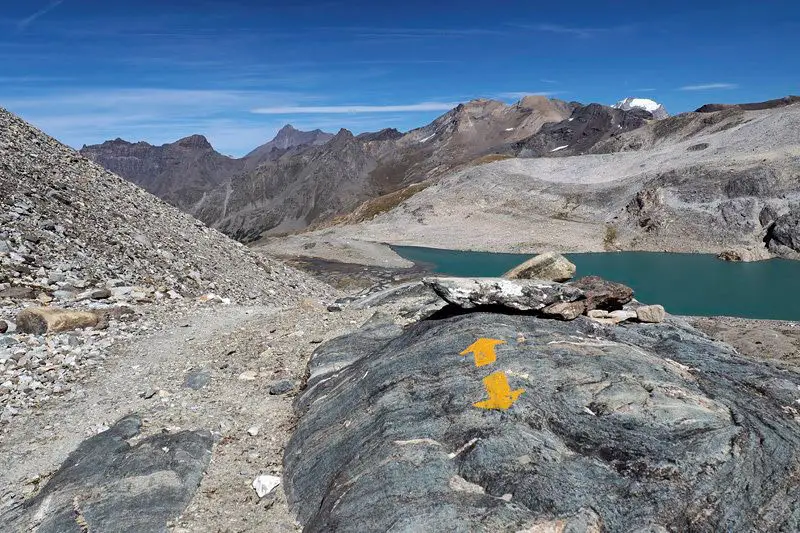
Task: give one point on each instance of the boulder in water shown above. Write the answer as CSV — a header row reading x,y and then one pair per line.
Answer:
x,y
548,266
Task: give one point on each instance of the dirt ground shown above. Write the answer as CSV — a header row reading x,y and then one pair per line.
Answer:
x,y
148,376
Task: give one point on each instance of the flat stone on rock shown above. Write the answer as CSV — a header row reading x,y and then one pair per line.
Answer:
x,y
651,313
566,310
3,326
548,266
43,320
603,294
519,294
108,485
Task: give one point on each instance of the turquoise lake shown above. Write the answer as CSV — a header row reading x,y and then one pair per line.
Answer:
x,y
685,284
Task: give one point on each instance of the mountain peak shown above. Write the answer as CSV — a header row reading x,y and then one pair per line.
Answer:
x,y
194,141
653,107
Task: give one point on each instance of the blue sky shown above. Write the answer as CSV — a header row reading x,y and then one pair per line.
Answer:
x,y
236,71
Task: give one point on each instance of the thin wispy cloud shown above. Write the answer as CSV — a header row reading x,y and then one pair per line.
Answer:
x,y
579,32
547,80
708,87
523,94
411,33
23,24
345,109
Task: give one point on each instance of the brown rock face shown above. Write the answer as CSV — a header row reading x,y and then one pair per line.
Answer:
x,y
51,320
548,266
603,294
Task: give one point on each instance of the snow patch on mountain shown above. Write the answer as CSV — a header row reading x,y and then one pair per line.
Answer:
x,y
647,104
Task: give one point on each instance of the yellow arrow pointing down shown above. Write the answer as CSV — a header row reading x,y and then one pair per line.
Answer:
x,y
500,394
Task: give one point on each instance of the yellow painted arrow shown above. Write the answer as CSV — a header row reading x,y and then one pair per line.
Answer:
x,y
484,350
500,394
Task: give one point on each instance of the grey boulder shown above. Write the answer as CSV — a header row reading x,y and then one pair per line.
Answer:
x,y
108,485
522,295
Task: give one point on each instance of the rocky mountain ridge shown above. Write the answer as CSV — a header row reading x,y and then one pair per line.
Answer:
x,y
181,172
287,137
724,181
287,189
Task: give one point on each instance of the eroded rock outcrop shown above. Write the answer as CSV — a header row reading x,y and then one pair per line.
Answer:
x,y
106,484
638,427
783,237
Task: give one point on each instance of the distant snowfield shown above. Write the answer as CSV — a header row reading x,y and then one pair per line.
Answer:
x,y
559,148
428,138
644,103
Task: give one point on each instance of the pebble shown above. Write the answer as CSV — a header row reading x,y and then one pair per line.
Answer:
x,y
253,431
281,387
265,484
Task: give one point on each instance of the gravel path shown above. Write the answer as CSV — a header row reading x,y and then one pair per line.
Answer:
x,y
239,352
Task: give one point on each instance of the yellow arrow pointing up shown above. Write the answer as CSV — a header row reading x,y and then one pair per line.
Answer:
x,y
500,394
484,350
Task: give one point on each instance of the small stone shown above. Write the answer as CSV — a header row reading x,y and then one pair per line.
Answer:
x,y
281,387
100,294
621,315
651,313
597,313
44,298
248,375
265,484
19,293
253,431
198,379
3,326
333,308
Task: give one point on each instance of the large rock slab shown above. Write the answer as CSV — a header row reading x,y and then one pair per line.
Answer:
x,y
43,320
548,266
638,427
108,485
522,295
